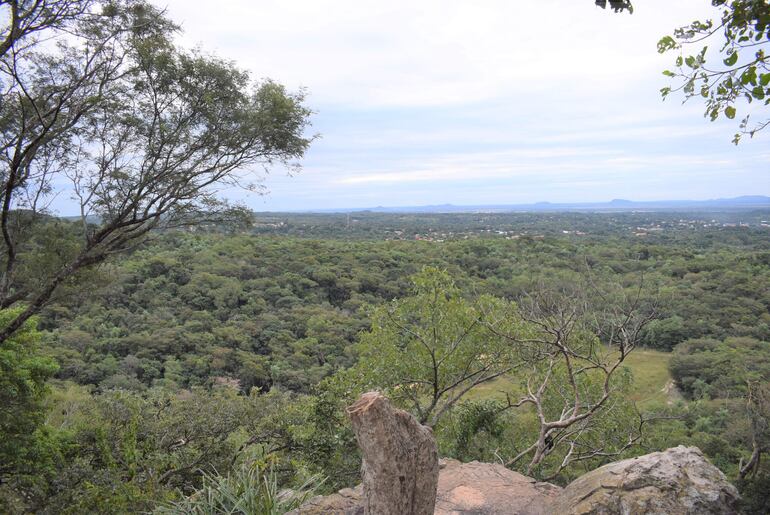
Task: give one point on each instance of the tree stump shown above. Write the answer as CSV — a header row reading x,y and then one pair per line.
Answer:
x,y
400,458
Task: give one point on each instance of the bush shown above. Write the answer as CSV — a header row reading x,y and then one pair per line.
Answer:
x,y
250,490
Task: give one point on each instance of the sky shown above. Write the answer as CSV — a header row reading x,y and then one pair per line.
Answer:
x,y
484,102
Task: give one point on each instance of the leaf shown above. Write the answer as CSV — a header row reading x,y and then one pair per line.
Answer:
x,y
731,59
764,79
666,43
730,112
749,76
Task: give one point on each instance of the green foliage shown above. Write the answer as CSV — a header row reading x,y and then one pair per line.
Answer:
x,y
123,451
285,312
23,375
427,350
476,431
744,71
706,368
323,441
231,342
251,489
730,421
754,494
666,333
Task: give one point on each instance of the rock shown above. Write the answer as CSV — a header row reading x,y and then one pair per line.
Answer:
x,y
675,481
490,489
463,488
400,458
402,476
348,501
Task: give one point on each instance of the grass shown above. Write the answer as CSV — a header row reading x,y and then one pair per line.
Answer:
x,y
652,382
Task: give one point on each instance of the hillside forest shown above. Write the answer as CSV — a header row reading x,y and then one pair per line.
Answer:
x,y
203,353
165,349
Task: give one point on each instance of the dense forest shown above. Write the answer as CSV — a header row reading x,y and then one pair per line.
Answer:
x,y
200,352
168,350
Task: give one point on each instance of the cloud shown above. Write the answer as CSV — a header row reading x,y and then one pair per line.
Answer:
x,y
435,52
479,102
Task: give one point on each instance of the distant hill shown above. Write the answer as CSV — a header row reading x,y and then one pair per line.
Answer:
x,y
736,203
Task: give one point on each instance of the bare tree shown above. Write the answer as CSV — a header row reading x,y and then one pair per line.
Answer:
x,y
145,134
573,372
758,410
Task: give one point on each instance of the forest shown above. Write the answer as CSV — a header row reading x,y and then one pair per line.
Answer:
x,y
201,352
165,347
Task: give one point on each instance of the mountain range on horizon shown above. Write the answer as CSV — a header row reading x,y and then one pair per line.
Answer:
x,y
735,203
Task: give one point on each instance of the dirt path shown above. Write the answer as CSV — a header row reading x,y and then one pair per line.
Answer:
x,y
672,392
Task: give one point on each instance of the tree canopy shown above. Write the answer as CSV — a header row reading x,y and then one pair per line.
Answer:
x,y
139,132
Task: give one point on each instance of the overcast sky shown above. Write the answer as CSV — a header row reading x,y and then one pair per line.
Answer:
x,y
490,101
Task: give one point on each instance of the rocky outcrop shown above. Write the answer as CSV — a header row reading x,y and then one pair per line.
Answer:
x,y
490,489
463,488
678,480
348,501
402,477
400,459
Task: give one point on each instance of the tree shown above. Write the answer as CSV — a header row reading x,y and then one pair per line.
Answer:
x,y
428,350
617,5
143,133
742,72
23,376
28,17
758,412
572,374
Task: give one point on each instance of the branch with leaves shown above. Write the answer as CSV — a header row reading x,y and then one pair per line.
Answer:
x,y
145,133
573,375
743,73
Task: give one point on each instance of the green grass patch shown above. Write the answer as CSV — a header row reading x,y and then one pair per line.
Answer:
x,y
652,382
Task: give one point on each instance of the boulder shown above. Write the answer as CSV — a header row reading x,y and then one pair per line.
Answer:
x,y
463,488
490,489
399,458
403,476
679,480
348,501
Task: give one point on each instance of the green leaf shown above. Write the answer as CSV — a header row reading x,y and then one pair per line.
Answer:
x,y
730,112
749,76
731,59
666,43
764,79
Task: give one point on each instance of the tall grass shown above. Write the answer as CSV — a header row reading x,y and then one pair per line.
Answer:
x,y
249,490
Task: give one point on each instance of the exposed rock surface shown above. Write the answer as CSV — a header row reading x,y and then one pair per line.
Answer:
x,y
463,488
678,480
490,489
401,476
400,458
348,501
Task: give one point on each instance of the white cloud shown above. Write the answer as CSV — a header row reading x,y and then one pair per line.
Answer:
x,y
436,52
436,101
